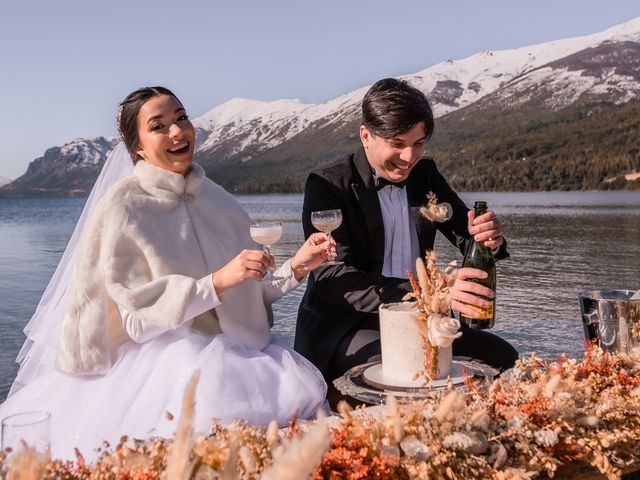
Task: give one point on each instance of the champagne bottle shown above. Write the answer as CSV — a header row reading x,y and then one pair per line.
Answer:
x,y
479,256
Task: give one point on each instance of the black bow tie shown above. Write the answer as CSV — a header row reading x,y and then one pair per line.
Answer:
x,y
382,182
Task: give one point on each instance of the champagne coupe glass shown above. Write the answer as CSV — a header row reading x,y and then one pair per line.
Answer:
x,y
327,221
27,430
266,234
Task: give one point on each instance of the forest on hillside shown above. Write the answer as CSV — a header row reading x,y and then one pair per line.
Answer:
x,y
587,147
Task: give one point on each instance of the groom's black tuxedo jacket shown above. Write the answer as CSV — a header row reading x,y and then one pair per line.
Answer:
x,y
344,298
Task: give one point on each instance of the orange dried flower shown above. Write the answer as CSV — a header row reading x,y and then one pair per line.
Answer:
x,y
353,457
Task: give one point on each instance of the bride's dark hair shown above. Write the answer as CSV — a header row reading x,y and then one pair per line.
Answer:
x,y
128,116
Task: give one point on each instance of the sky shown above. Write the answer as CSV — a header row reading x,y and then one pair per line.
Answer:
x,y
65,65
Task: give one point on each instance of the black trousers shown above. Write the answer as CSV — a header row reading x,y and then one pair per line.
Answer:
x,y
363,346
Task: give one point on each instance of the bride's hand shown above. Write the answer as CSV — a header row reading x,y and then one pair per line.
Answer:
x,y
249,264
318,247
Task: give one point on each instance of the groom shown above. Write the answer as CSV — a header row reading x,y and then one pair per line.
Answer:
x,y
379,189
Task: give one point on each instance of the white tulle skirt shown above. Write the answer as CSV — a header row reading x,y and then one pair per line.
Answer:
x,y
149,380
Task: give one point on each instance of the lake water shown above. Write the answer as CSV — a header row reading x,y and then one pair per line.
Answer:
x,y
560,243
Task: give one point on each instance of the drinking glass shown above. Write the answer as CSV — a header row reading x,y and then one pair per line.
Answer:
x,y
266,234
327,221
27,430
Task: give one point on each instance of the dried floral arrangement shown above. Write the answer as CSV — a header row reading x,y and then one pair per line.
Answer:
x,y
541,417
431,294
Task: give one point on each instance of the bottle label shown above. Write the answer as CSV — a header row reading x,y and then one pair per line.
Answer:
x,y
481,313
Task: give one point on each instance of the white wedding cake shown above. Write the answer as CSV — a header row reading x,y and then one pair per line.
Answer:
x,y
403,336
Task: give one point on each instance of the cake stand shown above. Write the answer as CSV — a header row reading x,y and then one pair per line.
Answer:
x,y
366,383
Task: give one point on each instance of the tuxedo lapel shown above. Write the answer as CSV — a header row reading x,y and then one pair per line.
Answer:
x,y
367,196
417,197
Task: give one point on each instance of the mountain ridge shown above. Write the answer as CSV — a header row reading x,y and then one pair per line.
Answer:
x,y
262,146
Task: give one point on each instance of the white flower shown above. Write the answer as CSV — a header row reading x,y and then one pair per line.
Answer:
x,y
414,448
459,441
437,212
546,437
442,330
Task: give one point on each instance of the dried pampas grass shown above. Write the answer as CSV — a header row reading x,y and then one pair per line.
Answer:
x,y
297,458
26,465
179,464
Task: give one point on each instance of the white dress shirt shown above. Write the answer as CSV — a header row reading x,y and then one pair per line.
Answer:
x,y
401,247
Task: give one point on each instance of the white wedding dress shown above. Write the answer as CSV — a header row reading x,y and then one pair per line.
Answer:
x,y
141,316
149,379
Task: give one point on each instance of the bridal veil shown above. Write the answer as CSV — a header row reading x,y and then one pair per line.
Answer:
x,y
37,355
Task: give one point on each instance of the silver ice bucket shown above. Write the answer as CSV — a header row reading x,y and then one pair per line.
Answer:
x,y
612,318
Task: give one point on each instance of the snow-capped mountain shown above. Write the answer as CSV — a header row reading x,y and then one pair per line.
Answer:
x,y
455,84
252,127
77,154
243,141
67,170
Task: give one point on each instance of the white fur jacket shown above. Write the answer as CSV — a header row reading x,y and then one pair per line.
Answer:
x,y
148,250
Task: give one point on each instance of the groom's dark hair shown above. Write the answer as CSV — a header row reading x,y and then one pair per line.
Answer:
x,y
128,111
392,107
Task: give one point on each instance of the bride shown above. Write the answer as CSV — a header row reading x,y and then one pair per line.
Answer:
x,y
159,279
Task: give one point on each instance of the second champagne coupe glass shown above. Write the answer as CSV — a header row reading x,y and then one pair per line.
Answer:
x,y
30,430
266,234
327,221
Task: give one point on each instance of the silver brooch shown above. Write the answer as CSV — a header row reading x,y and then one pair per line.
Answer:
x,y
185,197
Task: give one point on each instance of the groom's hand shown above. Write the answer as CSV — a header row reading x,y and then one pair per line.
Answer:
x,y
486,228
465,293
248,264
